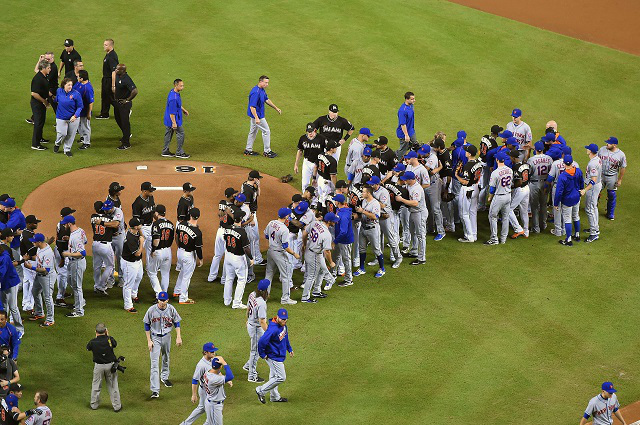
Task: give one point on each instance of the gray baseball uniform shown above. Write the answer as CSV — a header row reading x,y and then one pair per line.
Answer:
x,y
540,165
433,195
43,416
202,367
501,178
318,241
387,225
117,243
522,133
278,236
370,228
44,284
602,409
76,268
215,397
356,147
612,162
593,173
418,221
160,323
257,309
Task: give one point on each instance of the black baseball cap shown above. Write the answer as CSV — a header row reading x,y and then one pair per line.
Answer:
x,y
188,187
97,206
514,153
68,42
229,192
115,187
438,143
6,232
311,190
4,197
32,219
161,209
382,140
66,211
194,213
147,186
310,127
471,149
495,129
16,387
134,222
340,184
332,144
375,154
333,108
254,174
296,198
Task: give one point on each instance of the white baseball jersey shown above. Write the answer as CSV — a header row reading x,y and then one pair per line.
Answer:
x,y
382,195
612,161
602,409
356,147
540,165
422,175
594,170
416,193
501,178
318,238
372,206
77,241
431,162
202,368
42,418
356,169
257,308
247,212
119,216
522,132
557,167
161,321
46,258
214,386
277,234
307,220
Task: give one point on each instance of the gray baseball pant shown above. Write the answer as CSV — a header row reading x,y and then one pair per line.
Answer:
x,y
468,207
214,412
255,332
558,224
66,133
102,256
482,197
591,208
161,348
356,244
10,301
432,196
405,146
84,128
17,256
253,132
168,135
447,212
313,272
44,285
538,203
62,273
199,410
279,260
387,227
520,200
499,205
571,214
455,189
76,272
403,215
116,243
370,234
100,372
418,228
277,376
344,255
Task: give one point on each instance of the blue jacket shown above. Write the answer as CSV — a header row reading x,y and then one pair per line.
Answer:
x,y
10,337
257,99
405,117
274,343
174,107
568,188
8,274
344,228
69,104
16,222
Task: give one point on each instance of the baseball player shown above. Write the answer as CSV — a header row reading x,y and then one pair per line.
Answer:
x,y
333,128
591,191
277,233
115,189
458,159
469,175
539,165
614,164
568,192
522,132
199,383
45,266
251,189
396,189
246,223
519,196
301,218
310,145
28,251
132,264
354,199
354,175
356,147
554,137
422,176
557,167
103,228
603,407
370,211
238,249
10,413
159,321
432,192
343,232
500,189
317,241
189,241
215,389
162,234
273,347
226,211
386,220
388,158
142,209
446,176
487,143
326,171
256,326
371,168
186,202
77,263
16,221
418,216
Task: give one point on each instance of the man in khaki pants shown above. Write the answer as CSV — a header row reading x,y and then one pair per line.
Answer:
x,y
103,356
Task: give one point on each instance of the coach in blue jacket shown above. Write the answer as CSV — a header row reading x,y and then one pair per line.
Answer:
x,y
344,238
568,194
273,347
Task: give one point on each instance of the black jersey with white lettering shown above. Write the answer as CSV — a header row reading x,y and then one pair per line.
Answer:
x,y
7,416
163,231
189,238
354,197
130,247
27,247
445,160
235,240
486,144
521,173
226,221
184,206
471,171
251,192
333,129
368,171
116,200
311,148
330,205
388,160
61,233
143,210
101,233
396,190
327,166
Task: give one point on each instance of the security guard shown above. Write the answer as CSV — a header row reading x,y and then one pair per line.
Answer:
x,y
125,91
103,358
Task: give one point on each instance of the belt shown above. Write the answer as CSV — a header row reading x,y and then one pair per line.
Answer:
x,y
185,250
75,259
160,335
315,252
534,181
215,402
608,175
146,225
369,227
104,242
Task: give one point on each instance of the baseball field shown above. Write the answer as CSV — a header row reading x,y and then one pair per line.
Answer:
x,y
520,333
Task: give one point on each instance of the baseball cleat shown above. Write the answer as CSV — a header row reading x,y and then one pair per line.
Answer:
x,y
345,284
29,121
56,148
190,301
359,272
183,155
576,238
123,147
39,148
136,300
554,233
168,154
102,117
592,238
167,383
328,286
270,154
565,242
280,400
610,217
237,306
84,146
319,295
46,324
379,273
372,263
517,234
257,379
61,303
155,394
131,310
246,367
261,263
250,153
101,292
310,301
439,237
36,317
406,251
289,302
74,314
397,263
491,242
69,154
418,262
260,397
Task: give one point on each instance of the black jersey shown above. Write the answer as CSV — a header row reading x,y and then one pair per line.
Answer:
x,y
396,190
116,201
354,197
184,206
471,171
251,192
327,166
388,160
189,238
124,86
62,232
486,144
368,171
52,78
311,148
226,221
101,233
445,160
521,173
131,247
109,64
162,230
7,417
27,247
143,210
235,240
330,205
333,129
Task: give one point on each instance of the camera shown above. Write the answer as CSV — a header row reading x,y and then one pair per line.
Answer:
x,y
117,366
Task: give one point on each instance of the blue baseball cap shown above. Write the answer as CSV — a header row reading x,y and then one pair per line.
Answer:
x,y
68,219
215,364
302,207
107,205
424,150
11,203
516,113
592,147
284,212
340,198
549,137
608,387
411,154
374,180
283,314
610,141
38,237
566,150
408,175
264,284
240,197
209,347
462,134
555,154
331,217
366,131
400,167
512,141
539,146
502,157
162,296
505,134
12,401
367,152
568,160
458,142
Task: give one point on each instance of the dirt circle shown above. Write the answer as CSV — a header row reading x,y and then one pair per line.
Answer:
x,y
79,189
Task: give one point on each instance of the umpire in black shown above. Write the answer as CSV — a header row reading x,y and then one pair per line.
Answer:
x,y
125,91
109,65
39,103
103,356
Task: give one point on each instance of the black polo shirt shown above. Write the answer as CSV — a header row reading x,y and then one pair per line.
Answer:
x,y
53,79
40,85
109,64
68,58
102,349
124,86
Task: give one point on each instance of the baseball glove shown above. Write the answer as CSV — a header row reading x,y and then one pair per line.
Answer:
x,y
447,197
286,179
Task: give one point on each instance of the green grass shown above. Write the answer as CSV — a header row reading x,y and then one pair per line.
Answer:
x,y
520,333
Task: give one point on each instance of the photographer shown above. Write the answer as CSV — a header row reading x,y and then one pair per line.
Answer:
x,y
8,371
106,366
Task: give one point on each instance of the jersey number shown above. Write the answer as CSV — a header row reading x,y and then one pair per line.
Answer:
x,y
543,170
184,238
314,235
273,236
165,235
505,181
100,230
231,241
